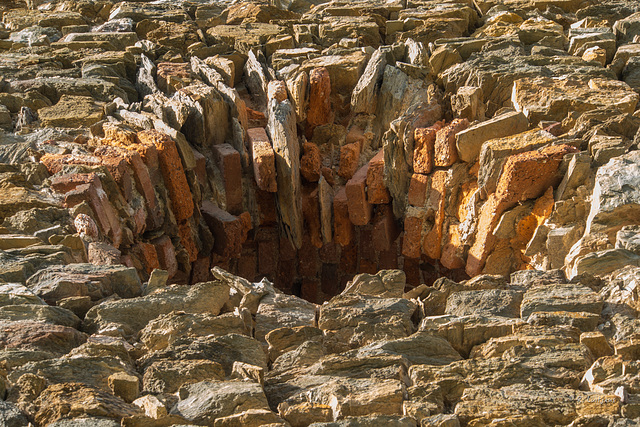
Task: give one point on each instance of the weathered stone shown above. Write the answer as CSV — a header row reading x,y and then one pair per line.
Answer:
x,y
374,318
283,134
204,402
365,95
129,316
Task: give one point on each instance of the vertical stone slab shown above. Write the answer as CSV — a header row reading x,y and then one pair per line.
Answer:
x,y
282,131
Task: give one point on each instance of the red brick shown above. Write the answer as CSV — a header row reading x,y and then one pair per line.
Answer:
x,y
388,260
201,270
342,225
451,257
114,159
412,240
446,152
308,259
247,225
106,216
166,255
349,259
173,174
411,269
417,194
264,166
285,276
68,182
55,162
385,230
330,283
524,176
146,252
424,141
186,240
226,230
310,163
201,166
360,209
311,214
376,190
266,208
248,265
309,289
330,253
287,250
228,160
319,111
432,240
367,248
144,185
349,158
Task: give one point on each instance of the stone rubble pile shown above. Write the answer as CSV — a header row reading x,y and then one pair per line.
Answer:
x,y
299,212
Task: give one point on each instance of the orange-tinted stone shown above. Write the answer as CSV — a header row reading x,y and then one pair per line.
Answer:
x,y
385,230
377,192
311,214
264,163
319,111
342,225
229,164
524,176
166,255
226,230
349,158
445,149
412,240
417,194
436,199
311,162
186,239
172,171
360,209
146,252
424,142
277,89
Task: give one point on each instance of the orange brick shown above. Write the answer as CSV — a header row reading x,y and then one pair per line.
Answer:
x,y
349,158
311,214
229,163
319,111
173,174
417,194
166,255
226,230
360,209
311,162
264,163
377,192
446,152
342,224
385,230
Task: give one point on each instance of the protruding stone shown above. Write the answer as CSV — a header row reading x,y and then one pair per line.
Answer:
x,y
377,192
360,210
264,166
319,111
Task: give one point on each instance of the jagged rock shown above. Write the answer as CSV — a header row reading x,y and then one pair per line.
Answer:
x,y
280,310
365,94
282,132
17,294
128,316
39,313
170,376
76,400
614,197
205,401
351,321
385,284
166,329
28,334
566,297
58,282
504,303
